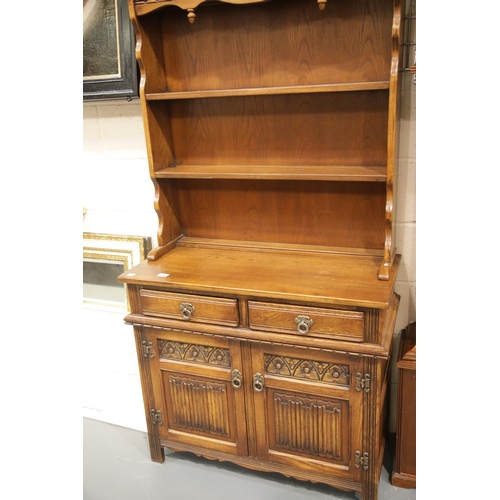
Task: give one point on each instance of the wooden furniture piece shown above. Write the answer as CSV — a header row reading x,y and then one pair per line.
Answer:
x,y
264,318
405,462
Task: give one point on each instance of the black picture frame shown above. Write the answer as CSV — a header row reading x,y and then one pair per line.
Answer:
x,y
124,83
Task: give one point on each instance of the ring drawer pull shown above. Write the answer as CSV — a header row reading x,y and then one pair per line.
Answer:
x,y
236,379
258,382
303,324
187,310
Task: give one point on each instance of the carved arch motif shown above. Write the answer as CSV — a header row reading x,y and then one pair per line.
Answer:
x,y
332,373
194,353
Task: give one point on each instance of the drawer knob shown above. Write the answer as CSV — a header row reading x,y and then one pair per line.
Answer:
x,y
187,310
258,382
303,324
236,379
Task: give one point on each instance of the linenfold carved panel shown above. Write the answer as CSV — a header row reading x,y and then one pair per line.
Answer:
x,y
332,373
194,353
309,426
199,405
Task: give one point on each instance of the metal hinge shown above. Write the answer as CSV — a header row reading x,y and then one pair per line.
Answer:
x,y
362,383
156,417
147,349
361,460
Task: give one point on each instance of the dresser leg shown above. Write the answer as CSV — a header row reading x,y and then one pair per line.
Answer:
x,y
157,451
370,491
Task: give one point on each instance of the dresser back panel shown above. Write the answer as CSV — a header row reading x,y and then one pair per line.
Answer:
x,y
312,213
302,129
279,43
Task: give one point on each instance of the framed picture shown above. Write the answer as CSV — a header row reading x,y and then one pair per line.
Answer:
x,y
109,64
105,257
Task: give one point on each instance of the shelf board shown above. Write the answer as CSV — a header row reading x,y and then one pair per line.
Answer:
x,y
275,172
295,89
271,247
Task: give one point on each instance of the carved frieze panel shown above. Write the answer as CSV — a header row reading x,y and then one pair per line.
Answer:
x,y
332,373
194,353
308,426
199,405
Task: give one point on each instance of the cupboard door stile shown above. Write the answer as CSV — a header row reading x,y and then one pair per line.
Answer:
x,y
193,377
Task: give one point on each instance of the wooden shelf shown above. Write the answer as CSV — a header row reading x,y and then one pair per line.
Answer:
x,y
299,89
281,248
275,172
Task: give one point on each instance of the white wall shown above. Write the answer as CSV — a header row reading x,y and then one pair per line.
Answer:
x,y
118,195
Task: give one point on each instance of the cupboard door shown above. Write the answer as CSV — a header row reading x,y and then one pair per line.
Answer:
x,y
198,389
308,412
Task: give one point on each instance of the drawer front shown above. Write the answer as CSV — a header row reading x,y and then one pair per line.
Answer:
x,y
310,321
189,308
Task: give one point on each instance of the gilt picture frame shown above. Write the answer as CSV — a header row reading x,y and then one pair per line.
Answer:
x,y
105,257
109,63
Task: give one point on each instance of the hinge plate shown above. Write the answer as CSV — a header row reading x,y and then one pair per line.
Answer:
x,y
156,417
362,383
147,349
361,460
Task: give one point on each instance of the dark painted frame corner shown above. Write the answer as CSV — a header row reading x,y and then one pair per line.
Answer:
x,y
126,84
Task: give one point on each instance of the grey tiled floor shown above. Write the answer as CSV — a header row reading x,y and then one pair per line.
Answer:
x,y
117,466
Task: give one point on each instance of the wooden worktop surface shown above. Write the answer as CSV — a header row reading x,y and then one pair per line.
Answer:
x,y
322,278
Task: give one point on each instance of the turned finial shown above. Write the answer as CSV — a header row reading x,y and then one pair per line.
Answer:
x,y
322,4
191,15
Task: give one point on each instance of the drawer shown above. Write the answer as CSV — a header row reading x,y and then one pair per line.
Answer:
x,y
311,321
192,308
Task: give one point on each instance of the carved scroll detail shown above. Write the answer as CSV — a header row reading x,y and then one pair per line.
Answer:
x,y
331,373
309,426
194,353
199,405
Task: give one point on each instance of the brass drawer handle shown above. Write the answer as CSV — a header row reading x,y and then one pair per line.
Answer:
x,y
187,310
303,324
258,382
236,379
